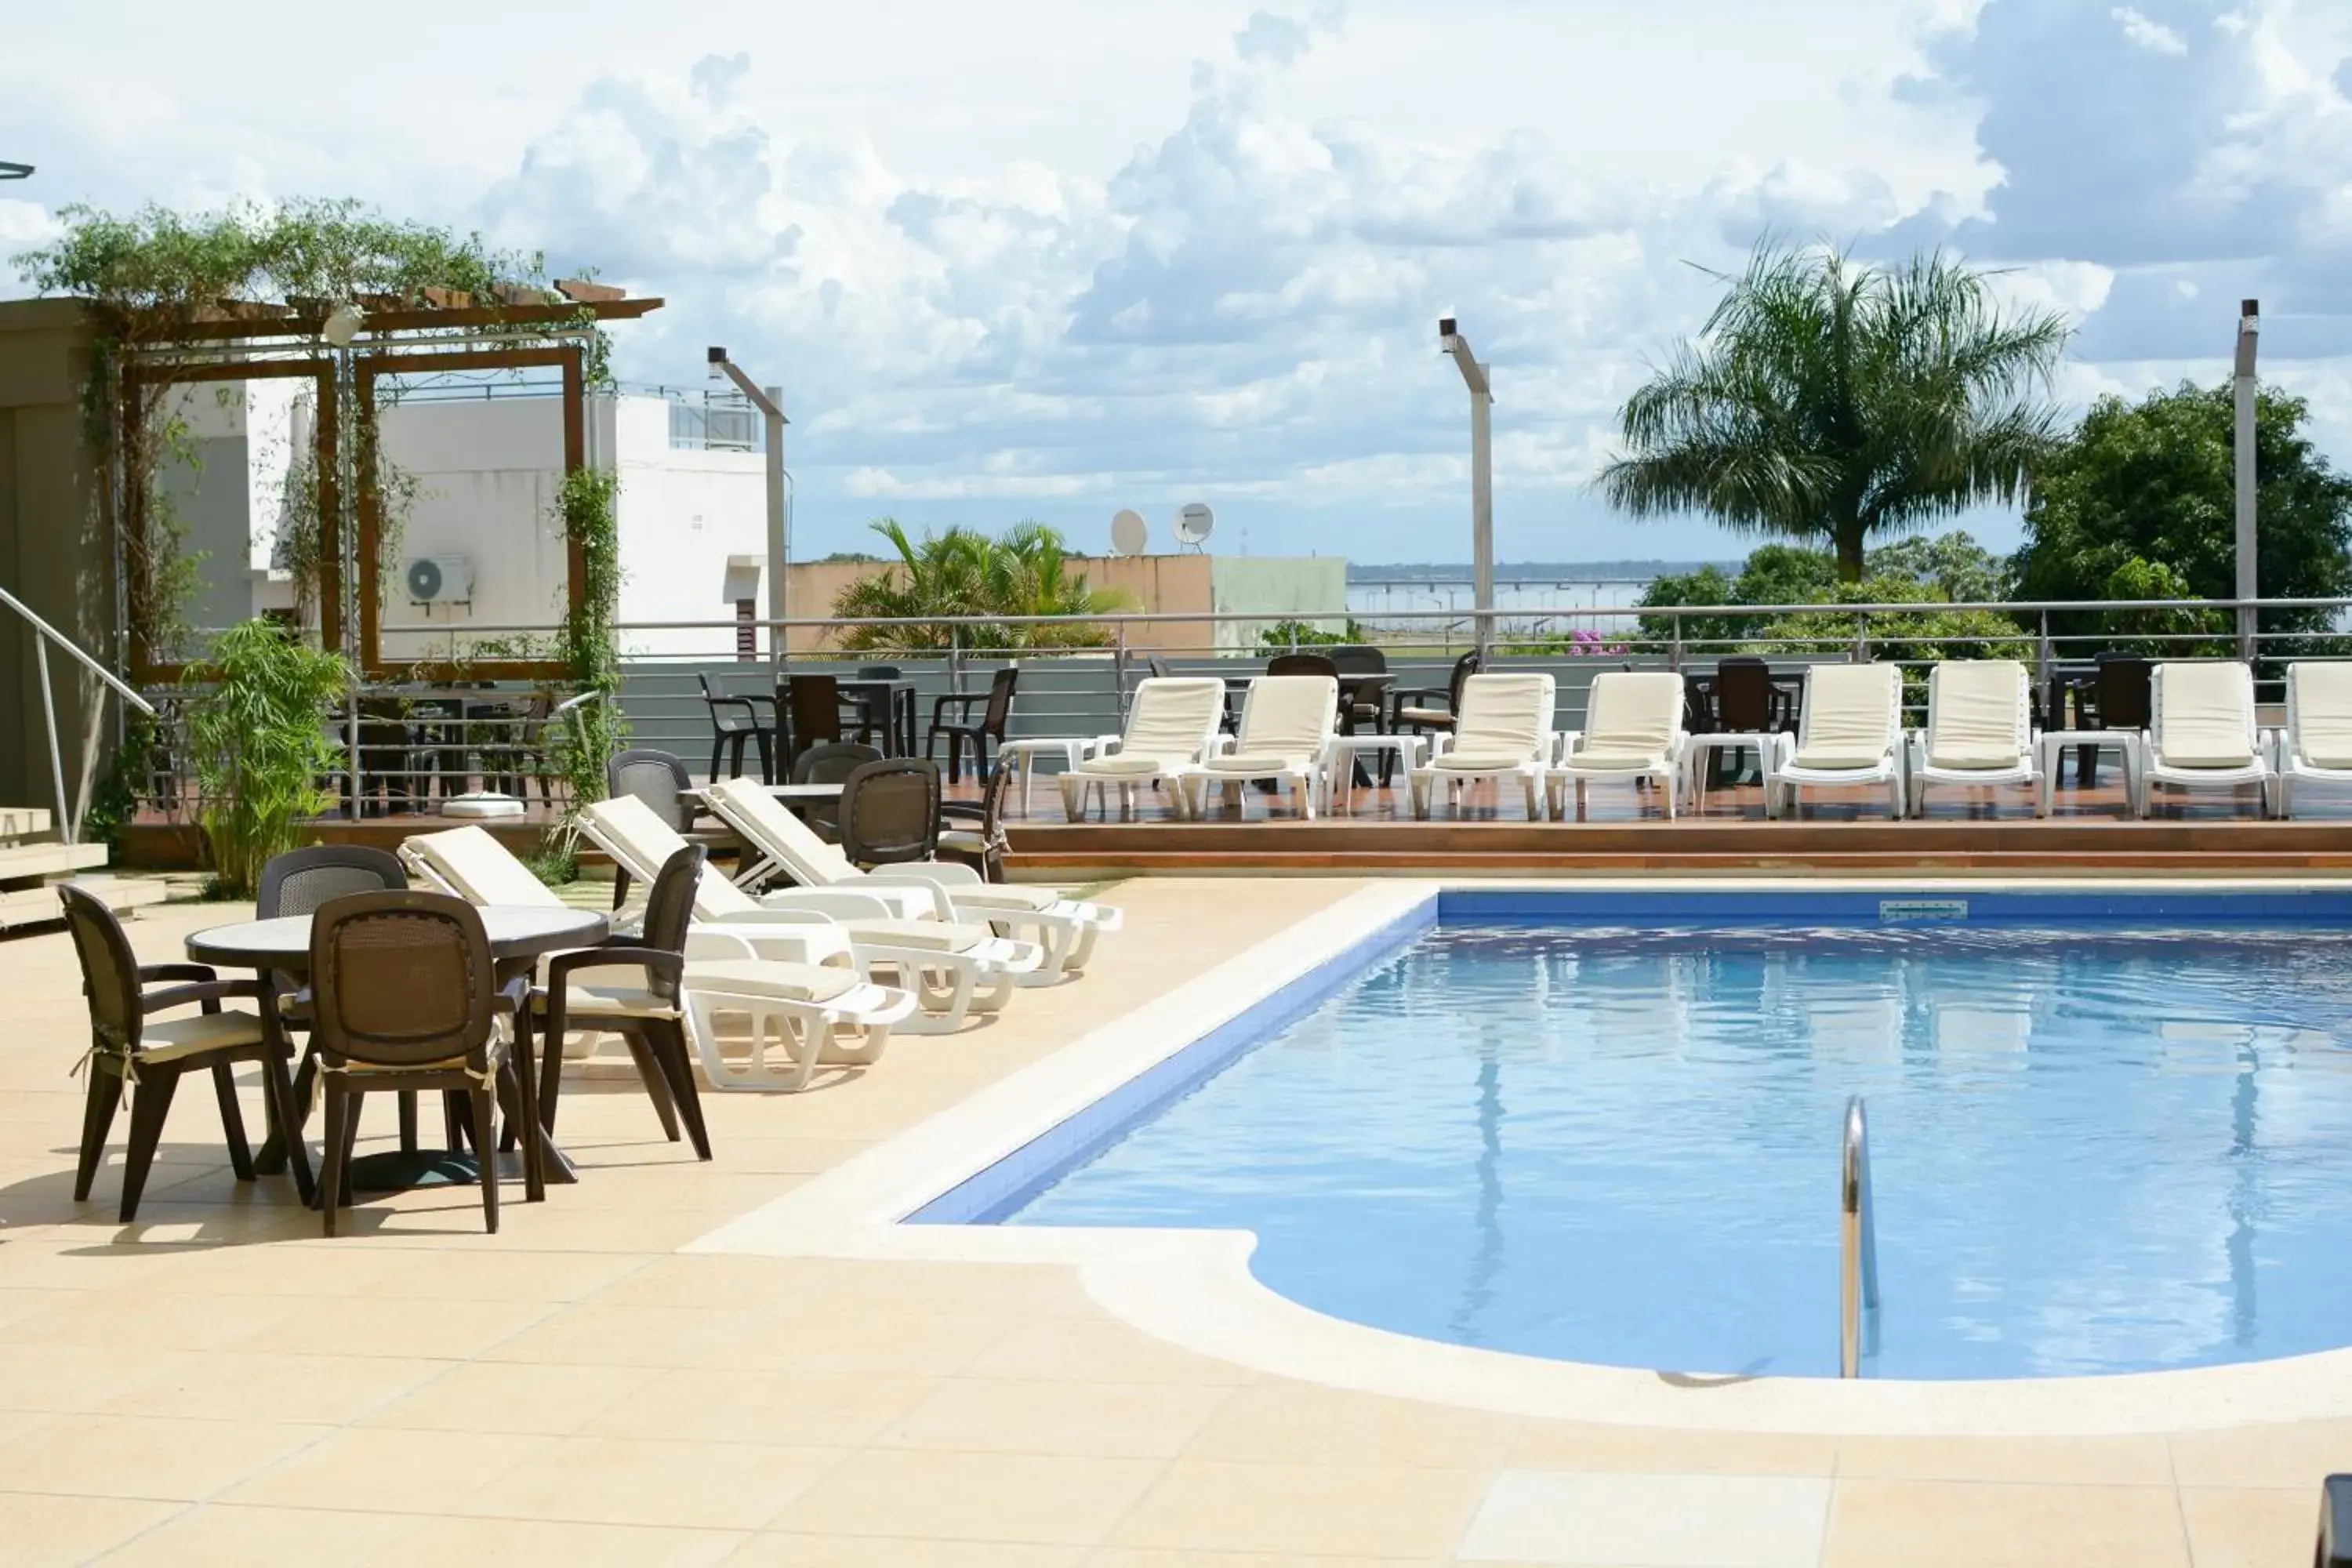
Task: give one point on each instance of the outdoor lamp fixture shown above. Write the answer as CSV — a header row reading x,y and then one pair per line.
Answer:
x,y
1482,475
769,401
343,324
2249,312
15,171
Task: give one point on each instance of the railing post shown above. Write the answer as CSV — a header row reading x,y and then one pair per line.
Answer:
x,y
1862,638
1118,669
57,757
955,657
1674,653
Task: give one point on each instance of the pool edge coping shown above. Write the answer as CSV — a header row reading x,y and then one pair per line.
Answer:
x,y
1194,1289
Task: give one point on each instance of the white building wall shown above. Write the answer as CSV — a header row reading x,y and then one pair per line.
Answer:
x,y
684,513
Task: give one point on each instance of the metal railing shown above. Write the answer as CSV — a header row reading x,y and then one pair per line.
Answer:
x,y
1857,1239
1072,688
69,821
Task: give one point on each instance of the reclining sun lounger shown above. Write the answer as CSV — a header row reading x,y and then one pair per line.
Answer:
x,y
2201,730
1286,727
1503,732
1633,730
1980,730
1171,726
1851,733
2316,747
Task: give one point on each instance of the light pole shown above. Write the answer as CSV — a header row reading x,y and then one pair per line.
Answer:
x,y
1482,475
769,401
2250,313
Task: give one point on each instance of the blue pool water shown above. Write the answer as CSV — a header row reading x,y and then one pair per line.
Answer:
x,y
2098,1152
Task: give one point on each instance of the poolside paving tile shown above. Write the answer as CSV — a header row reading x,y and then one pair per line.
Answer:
x,y
1582,1445
1281,1420
258,1385
2292,1454
616,1480
2249,1527
1305,1508
389,1470
571,1544
144,1457
2084,1461
743,1404
512,1397
222,1536
1131,1420
1051,1500
1100,1351
1968,1524
44,1531
782,1551
1656,1521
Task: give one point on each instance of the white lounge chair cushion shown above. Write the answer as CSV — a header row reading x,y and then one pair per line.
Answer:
x,y
1506,723
1629,714
1256,764
1615,761
936,936
1132,765
482,870
168,1039
1169,724
785,982
1287,716
2204,716
1849,716
1976,714
2321,713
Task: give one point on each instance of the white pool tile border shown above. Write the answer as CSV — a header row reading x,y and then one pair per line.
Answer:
x,y
1194,1289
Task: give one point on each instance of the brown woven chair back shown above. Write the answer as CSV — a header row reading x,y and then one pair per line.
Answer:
x,y
110,972
401,980
890,812
1359,658
657,778
1302,664
2126,699
1468,665
998,711
299,881
813,705
1743,697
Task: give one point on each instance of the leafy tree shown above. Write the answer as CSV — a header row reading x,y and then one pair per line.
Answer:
x,y
1834,402
1949,568
260,747
2140,502
961,571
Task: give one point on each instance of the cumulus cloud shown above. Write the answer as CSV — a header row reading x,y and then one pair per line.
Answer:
x,y
2149,34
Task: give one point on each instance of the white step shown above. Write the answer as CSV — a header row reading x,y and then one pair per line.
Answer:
x,y
38,906
23,822
31,862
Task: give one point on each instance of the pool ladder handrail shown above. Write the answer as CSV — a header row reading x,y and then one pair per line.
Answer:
x,y
1858,1239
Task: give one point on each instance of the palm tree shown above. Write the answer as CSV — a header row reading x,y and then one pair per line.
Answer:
x,y
1829,401
962,572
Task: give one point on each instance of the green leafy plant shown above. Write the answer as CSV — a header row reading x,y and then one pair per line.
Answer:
x,y
1831,402
1283,636
592,731
260,747
964,573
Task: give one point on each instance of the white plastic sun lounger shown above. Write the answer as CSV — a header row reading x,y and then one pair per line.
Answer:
x,y
1633,730
1288,722
1980,730
1852,733
1171,726
2316,747
2202,733
953,970
1504,732
1064,929
797,979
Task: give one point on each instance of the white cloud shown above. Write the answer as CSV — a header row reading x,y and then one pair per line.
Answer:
x,y
2148,34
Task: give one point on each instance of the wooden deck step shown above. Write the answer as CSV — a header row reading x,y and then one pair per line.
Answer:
x,y
31,863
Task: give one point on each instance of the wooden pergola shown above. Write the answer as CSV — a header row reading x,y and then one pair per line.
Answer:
x,y
443,331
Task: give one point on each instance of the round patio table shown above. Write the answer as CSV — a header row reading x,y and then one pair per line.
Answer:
x,y
518,936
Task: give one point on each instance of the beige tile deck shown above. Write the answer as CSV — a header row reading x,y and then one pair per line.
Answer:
x,y
220,1383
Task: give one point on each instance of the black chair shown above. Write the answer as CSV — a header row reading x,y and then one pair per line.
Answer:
x,y
735,722
996,713
812,708
1303,664
405,996
296,883
831,762
126,1048
973,832
650,1016
1362,659
2122,697
890,812
877,709
1416,708
660,779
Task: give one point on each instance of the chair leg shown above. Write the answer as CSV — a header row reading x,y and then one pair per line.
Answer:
x,y
151,1101
668,1039
97,1118
453,1126
620,886
408,1121
718,746
515,1072
551,1063
656,1089
767,757
486,1144
331,1163
278,1086
240,1152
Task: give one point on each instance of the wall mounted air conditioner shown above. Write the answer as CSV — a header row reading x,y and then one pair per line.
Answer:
x,y
439,579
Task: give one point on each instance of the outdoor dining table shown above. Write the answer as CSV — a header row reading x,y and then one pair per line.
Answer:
x,y
895,693
518,936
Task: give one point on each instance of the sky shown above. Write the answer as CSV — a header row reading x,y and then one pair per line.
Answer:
x,y
1050,259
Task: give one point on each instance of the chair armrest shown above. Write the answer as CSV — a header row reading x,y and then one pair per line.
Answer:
x,y
964,699
925,871
209,991
1567,740
1398,695
835,903
658,961
149,972
514,996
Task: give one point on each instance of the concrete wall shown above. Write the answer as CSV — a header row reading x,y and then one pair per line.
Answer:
x,y
1277,588
53,552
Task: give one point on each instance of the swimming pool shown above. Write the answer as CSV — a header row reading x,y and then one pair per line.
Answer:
x,y
2105,1139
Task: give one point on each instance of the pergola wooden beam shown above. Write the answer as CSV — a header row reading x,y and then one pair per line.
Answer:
x,y
239,319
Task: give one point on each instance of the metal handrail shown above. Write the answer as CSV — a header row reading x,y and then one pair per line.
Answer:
x,y
47,634
1857,1239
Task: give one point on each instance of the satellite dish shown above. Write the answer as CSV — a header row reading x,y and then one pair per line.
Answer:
x,y
424,579
1193,521
1128,534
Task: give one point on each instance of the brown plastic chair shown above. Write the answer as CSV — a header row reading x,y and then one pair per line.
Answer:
x,y
831,762
1303,664
125,1048
735,721
993,721
974,832
2123,699
650,1016
1416,709
890,812
405,996
660,779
